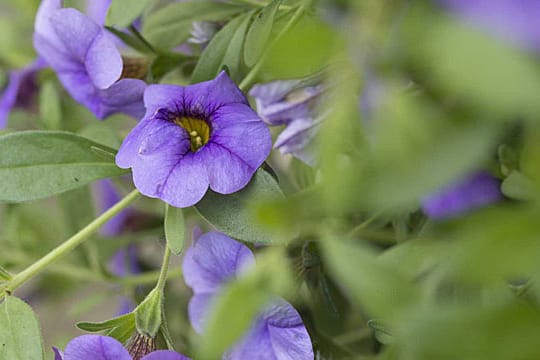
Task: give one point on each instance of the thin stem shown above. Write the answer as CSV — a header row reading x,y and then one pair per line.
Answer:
x,y
248,79
164,269
67,246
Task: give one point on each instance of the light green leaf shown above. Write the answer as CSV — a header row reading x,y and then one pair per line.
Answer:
x,y
174,229
259,33
38,164
233,55
107,324
4,274
148,314
20,336
518,186
170,25
123,12
231,213
211,59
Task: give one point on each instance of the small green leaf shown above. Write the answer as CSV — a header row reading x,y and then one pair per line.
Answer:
x,y
170,25
38,164
4,274
49,106
174,229
231,213
232,59
123,12
517,186
20,336
107,324
381,332
211,59
259,33
148,314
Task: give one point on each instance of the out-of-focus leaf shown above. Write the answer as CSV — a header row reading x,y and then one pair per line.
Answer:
x,y
259,33
37,164
4,274
517,186
170,25
231,213
49,106
20,336
211,59
174,229
232,59
384,292
123,12
500,332
131,40
382,334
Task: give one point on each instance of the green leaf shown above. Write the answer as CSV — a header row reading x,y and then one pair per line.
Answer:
x,y
148,314
4,274
232,59
170,25
259,33
49,106
38,164
231,213
20,336
131,40
123,12
381,332
107,324
382,290
174,229
211,59
517,186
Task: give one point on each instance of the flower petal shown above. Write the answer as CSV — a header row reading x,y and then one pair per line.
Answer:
x,y
95,347
198,310
255,345
57,354
165,355
103,61
123,96
214,259
162,97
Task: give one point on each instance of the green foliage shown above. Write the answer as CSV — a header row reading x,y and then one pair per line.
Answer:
x,y
175,232
121,328
122,13
148,315
259,33
20,335
232,214
34,167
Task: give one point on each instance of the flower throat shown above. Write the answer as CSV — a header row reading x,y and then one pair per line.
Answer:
x,y
197,129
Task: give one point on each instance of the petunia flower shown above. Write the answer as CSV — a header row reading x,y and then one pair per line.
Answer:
x,y
86,61
292,103
98,347
21,90
278,333
194,137
475,190
512,20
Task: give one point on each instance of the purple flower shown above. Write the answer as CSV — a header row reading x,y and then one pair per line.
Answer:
x,y
278,333
86,61
194,137
292,103
123,263
105,196
98,347
21,90
475,190
512,20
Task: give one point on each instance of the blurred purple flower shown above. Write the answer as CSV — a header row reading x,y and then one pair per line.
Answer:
x,y
86,61
98,347
202,32
194,137
123,263
21,90
97,10
475,190
105,196
278,333
512,20
292,103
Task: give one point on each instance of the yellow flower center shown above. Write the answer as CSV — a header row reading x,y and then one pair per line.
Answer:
x,y
197,129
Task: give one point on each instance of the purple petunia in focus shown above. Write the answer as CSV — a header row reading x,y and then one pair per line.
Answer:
x,y
98,347
513,20
278,333
21,90
292,103
86,60
475,190
194,137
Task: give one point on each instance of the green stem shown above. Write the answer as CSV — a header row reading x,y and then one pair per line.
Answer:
x,y
248,79
164,269
67,246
